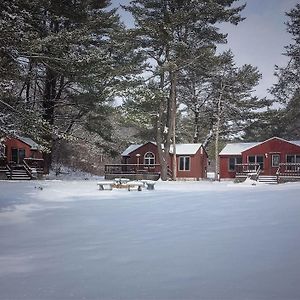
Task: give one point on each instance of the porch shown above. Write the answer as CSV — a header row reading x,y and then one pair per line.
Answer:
x,y
286,172
132,171
251,170
29,168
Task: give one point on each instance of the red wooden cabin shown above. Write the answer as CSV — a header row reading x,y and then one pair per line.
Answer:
x,y
21,155
143,159
272,157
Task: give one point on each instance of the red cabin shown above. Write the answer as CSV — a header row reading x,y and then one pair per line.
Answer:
x,y
273,157
21,155
143,159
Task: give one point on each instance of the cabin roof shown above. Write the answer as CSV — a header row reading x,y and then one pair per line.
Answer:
x,y
33,145
238,148
132,148
181,149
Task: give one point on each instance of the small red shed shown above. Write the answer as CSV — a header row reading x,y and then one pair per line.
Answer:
x,y
16,149
268,155
191,159
21,158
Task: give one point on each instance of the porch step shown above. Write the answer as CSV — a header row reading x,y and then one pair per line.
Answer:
x,y
267,179
18,174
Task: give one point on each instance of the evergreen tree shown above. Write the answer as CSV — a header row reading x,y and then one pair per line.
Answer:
x,y
172,34
73,58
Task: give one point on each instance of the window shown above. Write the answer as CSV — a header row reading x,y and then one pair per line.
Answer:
x,y
275,160
149,158
184,163
233,161
260,161
17,155
256,159
292,159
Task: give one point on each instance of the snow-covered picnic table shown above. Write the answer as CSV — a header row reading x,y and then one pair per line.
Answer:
x,y
120,183
105,183
149,183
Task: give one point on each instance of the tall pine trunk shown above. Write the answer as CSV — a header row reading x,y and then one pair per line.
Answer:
x,y
162,154
217,133
48,105
172,120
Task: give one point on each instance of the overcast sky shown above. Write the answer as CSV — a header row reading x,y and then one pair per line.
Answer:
x,y
258,40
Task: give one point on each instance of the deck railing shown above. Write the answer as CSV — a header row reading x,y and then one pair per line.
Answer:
x,y
131,168
249,170
3,161
36,164
27,169
288,170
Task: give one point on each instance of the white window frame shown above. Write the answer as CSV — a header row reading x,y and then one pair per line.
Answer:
x,y
290,167
235,163
255,160
184,163
295,158
149,161
275,165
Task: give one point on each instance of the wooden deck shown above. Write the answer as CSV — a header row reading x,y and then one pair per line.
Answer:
x,y
288,172
247,170
30,168
132,171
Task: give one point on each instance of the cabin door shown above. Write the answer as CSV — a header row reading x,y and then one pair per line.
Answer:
x,y
274,163
17,155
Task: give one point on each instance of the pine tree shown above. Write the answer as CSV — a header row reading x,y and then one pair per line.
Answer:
x,y
72,58
172,34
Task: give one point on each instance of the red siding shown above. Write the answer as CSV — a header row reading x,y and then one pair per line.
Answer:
x,y
198,166
12,143
265,149
269,147
141,151
224,167
198,163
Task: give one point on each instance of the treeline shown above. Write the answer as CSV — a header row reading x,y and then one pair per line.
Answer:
x,y
71,73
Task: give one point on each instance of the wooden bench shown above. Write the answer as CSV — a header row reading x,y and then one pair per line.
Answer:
x,y
149,183
103,184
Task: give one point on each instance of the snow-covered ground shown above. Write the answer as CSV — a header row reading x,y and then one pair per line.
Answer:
x,y
184,240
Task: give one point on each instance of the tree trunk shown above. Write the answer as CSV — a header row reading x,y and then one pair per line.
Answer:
x,y
217,134
162,156
49,96
173,78
48,105
197,127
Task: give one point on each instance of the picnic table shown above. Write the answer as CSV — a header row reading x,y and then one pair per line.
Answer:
x,y
121,183
149,183
105,183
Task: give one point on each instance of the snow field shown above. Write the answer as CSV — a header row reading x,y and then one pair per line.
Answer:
x,y
184,240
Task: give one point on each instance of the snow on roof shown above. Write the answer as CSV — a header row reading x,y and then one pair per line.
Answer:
x,y
295,142
238,148
33,145
130,149
181,149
